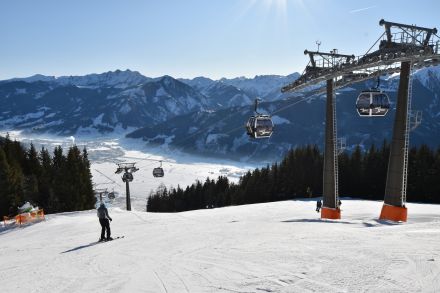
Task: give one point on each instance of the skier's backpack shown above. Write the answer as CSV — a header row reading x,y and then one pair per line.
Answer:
x,y
101,212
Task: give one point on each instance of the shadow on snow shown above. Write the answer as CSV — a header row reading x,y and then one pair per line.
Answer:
x,y
80,247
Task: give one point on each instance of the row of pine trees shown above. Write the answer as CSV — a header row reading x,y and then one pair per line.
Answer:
x,y
57,183
361,175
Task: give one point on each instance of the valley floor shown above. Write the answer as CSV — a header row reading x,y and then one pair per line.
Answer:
x,y
272,247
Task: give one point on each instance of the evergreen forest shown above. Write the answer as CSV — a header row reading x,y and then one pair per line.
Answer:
x,y
57,183
362,174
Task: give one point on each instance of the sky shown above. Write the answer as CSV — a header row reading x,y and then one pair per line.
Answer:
x,y
189,38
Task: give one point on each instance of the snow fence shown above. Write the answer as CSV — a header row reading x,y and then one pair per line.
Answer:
x,y
25,218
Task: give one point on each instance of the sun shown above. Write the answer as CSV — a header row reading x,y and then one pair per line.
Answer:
x,y
279,5
272,10
266,7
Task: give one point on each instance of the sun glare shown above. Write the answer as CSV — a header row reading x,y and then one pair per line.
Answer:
x,y
279,5
276,8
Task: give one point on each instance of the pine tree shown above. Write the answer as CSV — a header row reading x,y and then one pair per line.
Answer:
x,y
362,174
45,180
61,197
88,197
5,195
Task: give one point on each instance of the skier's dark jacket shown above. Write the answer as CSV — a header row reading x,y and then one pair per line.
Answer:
x,y
103,213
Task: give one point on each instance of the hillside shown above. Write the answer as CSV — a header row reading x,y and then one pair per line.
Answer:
x,y
299,120
273,247
204,116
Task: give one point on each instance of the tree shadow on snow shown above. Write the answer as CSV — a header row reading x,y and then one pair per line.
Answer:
x,y
80,247
316,221
366,224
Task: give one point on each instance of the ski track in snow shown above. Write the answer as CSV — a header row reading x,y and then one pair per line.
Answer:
x,y
272,247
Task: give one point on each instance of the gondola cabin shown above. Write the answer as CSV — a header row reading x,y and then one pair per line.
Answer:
x,y
127,177
259,126
372,103
158,172
111,195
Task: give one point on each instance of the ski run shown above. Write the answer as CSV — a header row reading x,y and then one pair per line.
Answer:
x,y
271,247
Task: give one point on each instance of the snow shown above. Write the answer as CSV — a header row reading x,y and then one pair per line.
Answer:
x,y
125,108
53,123
271,247
192,129
427,75
171,105
105,151
98,119
50,115
190,102
262,85
161,92
117,79
34,78
212,138
180,169
20,91
277,120
22,118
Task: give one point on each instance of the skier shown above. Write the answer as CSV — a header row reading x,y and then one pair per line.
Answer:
x,y
318,205
105,224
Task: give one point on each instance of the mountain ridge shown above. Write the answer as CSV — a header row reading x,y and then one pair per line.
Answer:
x,y
168,109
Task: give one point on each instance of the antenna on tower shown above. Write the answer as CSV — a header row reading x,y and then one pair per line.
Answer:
x,y
318,42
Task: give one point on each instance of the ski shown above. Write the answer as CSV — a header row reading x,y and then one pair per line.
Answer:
x,y
103,241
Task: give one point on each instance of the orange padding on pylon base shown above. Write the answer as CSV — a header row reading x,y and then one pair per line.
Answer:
x,y
393,213
329,213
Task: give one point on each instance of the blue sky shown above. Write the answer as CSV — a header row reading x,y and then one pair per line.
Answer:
x,y
189,38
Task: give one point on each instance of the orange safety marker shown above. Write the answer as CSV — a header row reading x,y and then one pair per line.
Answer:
x,y
27,217
18,219
393,213
40,214
330,213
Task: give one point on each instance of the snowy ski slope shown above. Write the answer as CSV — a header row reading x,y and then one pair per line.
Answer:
x,y
272,247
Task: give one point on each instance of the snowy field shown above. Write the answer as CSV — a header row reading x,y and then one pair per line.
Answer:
x,y
105,151
273,247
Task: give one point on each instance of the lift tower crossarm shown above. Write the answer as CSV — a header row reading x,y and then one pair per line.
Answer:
x,y
388,25
327,59
408,43
320,69
322,54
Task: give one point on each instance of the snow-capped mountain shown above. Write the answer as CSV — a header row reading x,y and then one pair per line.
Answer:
x,y
299,121
222,95
199,83
116,79
95,102
205,116
70,104
265,87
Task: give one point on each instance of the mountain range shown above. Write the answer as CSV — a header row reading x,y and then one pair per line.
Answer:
x,y
202,115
